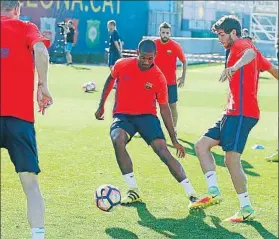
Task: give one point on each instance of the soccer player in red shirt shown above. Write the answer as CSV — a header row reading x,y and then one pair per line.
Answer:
x,y
21,45
242,113
140,85
168,51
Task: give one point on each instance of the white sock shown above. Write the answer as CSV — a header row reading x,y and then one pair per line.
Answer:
x,y
211,179
38,233
244,199
188,187
130,180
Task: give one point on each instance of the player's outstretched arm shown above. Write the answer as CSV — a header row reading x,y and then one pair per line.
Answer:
x,y
167,118
246,58
44,97
106,90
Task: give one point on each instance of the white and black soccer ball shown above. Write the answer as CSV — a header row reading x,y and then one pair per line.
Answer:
x,y
89,86
107,197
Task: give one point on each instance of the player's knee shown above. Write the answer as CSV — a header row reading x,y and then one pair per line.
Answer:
x,y
29,182
200,147
164,154
118,140
173,107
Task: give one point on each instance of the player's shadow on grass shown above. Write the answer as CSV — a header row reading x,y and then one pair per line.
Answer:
x,y
120,233
80,68
219,159
261,230
193,226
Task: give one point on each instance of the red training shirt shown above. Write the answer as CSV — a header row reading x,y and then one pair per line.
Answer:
x,y
17,67
167,54
137,91
243,86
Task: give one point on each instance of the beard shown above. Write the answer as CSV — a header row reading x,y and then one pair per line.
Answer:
x,y
164,39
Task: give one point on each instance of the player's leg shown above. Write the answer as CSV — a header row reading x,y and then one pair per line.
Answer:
x,y
35,203
68,53
21,144
203,150
174,113
121,133
234,149
151,131
160,148
173,97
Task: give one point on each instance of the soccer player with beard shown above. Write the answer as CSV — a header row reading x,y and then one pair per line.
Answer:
x,y
168,51
244,65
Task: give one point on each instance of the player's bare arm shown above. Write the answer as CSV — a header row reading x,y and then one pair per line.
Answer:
x,y
181,79
274,71
118,47
106,90
167,118
44,97
247,57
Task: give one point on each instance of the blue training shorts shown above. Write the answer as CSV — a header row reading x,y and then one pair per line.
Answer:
x,y
112,58
232,132
19,138
148,126
173,95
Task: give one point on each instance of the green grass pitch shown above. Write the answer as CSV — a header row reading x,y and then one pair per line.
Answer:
x,y
76,156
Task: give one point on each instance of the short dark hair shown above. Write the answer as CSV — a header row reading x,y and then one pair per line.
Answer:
x,y
147,46
112,22
9,4
165,25
228,23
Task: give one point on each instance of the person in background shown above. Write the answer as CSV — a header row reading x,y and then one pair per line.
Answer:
x,y
168,51
245,34
115,46
69,31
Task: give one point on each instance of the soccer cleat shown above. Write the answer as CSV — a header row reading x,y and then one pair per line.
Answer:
x,y
212,197
273,157
246,213
131,197
192,200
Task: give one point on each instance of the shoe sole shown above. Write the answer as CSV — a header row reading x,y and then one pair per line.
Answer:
x,y
250,218
206,205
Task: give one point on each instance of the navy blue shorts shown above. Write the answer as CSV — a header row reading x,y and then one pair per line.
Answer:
x,y
232,132
19,138
112,58
148,126
172,91
68,47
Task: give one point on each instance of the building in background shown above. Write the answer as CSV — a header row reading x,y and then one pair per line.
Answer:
x,y
90,19
135,19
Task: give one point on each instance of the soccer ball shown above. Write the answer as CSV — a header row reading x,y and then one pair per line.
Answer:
x,y
107,197
90,86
